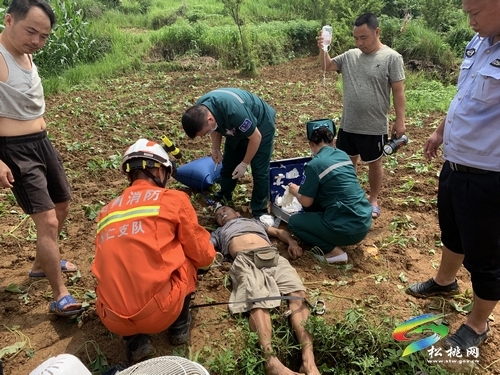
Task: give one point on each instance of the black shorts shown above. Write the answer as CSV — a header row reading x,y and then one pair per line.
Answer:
x,y
369,147
39,178
469,218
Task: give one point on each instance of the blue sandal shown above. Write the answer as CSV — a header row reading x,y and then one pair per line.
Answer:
x,y
64,268
375,211
66,306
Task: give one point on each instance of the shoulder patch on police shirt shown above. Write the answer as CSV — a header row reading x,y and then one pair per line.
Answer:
x,y
496,63
230,131
470,52
246,125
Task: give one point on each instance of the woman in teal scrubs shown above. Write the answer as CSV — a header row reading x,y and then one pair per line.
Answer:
x,y
337,210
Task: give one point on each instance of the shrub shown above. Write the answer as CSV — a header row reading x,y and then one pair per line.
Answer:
x,y
91,9
270,43
399,8
459,36
390,30
174,40
135,6
441,15
421,43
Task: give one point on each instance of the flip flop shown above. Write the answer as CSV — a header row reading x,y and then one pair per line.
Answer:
x,y
66,306
375,211
64,268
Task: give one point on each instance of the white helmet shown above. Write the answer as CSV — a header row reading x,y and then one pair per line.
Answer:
x,y
138,156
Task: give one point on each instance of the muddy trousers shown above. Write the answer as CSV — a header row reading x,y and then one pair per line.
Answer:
x,y
309,227
234,152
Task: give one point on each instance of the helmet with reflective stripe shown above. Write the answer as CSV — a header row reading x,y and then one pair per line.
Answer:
x,y
145,154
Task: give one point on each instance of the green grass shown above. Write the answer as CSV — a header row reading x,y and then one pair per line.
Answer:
x,y
355,344
424,95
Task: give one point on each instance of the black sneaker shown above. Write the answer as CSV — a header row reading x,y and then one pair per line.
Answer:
x,y
139,347
430,288
180,334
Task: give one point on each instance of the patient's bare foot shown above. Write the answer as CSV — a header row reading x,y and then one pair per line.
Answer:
x,y
309,369
275,367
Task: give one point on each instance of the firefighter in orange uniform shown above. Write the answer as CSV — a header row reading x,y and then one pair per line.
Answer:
x,y
149,246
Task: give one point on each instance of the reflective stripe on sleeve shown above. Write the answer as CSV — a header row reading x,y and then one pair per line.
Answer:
x,y
332,167
232,93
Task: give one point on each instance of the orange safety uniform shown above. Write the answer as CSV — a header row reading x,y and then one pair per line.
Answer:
x,y
149,245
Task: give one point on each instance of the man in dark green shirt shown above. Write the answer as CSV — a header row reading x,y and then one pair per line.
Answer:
x,y
247,122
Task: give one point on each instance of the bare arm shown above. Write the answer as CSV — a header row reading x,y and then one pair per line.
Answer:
x,y
435,140
294,250
253,146
303,200
398,96
216,143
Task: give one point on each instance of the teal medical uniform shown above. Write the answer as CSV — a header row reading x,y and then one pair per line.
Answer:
x,y
238,113
342,214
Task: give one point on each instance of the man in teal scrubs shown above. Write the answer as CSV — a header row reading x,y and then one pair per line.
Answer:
x,y
247,122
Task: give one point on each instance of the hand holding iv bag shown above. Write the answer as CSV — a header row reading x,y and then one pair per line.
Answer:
x,y
326,33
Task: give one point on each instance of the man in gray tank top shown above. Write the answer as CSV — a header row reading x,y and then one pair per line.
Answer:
x,y
370,72
260,276
29,164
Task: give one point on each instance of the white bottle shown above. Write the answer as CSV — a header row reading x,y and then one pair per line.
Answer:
x,y
326,33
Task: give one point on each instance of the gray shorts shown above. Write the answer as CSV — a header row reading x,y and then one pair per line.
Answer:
x,y
39,178
250,282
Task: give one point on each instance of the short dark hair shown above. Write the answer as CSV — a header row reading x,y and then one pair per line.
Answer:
x,y
322,134
19,9
369,19
194,119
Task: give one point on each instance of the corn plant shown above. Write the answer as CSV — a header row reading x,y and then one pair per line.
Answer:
x,y
70,41
2,15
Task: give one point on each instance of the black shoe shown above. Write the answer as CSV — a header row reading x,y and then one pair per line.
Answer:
x,y
465,338
139,347
113,370
431,288
180,334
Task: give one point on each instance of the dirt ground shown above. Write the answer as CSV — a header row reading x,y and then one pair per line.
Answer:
x,y
88,125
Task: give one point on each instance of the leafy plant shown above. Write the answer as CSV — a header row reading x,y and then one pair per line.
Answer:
x,y
92,210
70,41
9,352
95,357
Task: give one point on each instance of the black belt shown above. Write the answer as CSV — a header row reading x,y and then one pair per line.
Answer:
x,y
462,168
